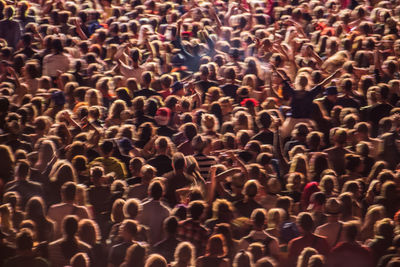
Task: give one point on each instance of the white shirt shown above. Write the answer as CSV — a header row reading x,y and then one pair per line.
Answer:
x,y
55,62
58,212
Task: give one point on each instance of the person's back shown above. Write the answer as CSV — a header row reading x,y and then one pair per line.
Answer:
x,y
350,253
9,28
308,239
25,256
154,212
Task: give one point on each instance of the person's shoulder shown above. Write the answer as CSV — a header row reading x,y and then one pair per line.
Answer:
x,y
57,206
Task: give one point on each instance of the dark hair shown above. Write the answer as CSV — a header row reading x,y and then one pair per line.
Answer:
x,y
305,221
171,225
69,246
258,217
178,161
68,191
156,190
196,209
107,146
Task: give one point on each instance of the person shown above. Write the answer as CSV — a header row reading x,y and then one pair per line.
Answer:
x,y
308,239
25,255
25,188
215,253
161,161
166,247
349,252
10,28
154,212
333,228
184,255
63,249
246,206
192,229
110,163
177,179
58,212
258,234
135,256
128,231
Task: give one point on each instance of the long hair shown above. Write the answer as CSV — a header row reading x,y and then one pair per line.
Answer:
x,y
185,253
305,256
135,256
88,232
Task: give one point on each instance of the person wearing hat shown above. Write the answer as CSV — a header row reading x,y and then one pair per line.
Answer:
x,y
333,228
329,100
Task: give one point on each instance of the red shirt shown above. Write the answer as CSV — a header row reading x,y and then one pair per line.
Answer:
x,y
297,245
347,254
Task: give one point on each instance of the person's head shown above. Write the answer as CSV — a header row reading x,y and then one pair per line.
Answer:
x,y
250,188
136,255
80,260
196,209
156,260
35,208
70,226
351,231
178,162
170,225
185,254
128,230
216,246
263,119
305,222
305,256
88,231
161,144
384,228
131,208
258,217
22,170
222,209
96,174
156,190
243,259
107,148
68,192
117,211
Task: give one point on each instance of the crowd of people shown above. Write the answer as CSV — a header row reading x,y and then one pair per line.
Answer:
x,y
207,133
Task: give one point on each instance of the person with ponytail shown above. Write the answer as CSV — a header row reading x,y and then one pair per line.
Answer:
x,y
63,249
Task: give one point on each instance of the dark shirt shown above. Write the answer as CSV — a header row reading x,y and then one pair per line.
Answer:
x,y
347,102
301,101
26,189
230,90
166,248
162,163
265,137
10,31
23,261
246,207
118,252
165,131
100,198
